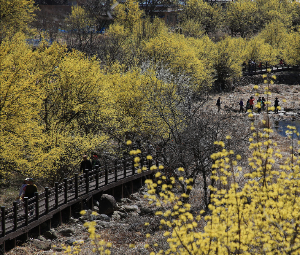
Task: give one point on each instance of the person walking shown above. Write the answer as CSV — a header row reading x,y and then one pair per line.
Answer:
x,y
251,103
263,103
85,164
219,103
241,106
22,189
276,104
248,105
259,105
29,191
95,162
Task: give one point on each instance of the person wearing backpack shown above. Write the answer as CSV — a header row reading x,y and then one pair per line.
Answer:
x,y
29,191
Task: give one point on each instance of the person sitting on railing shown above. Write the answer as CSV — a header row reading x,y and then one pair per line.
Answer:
x,y
85,164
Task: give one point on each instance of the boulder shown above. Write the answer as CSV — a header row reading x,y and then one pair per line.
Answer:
x,y
102,224
51,234
70,241
42,245
125,200
131,208
115,216
67,232
103,217
107,204
135,196
146,210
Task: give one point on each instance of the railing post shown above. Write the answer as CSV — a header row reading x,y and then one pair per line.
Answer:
x,y
76,186
97,179
157,159
86,174
47,199
116,170
26,210
66,189
133,167
149,163
255,67
3,220
124,167
15,204
142,161
106,174
56,195
37,211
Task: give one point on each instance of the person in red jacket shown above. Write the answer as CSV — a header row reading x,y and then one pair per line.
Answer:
x,y
251,102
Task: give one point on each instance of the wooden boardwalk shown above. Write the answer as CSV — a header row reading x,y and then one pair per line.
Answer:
x,y
256,69
21,218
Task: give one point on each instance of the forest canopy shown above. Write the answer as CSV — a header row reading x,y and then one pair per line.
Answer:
x,y
92,92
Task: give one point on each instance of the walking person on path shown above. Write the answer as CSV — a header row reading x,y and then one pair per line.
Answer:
x,y
29,191
248,105
263,100
251,103
85,164
276,104
241,106
22,189
219,103
259,105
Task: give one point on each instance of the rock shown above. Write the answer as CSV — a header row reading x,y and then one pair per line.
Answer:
x,y
72,220
95,208
67,232
291,113
70,241
103,217
57,249
131,208
135,196
125,200
51,234
146,210
102,224
41,238
42,245
115,216
122,215
107,204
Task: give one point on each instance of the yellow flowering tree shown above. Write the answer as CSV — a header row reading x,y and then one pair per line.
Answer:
x,y
19,104
15,16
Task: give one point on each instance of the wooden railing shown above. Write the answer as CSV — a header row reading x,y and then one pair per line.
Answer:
x,y
22,217
260,68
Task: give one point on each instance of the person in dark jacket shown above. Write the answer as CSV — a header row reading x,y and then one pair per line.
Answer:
x,y
85,164
219,103
276,104
241,106
95,162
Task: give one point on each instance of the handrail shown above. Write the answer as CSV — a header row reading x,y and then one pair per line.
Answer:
x,y
51,199
261,68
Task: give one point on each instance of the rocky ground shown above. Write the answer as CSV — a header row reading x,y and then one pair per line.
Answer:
x,y
126,224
